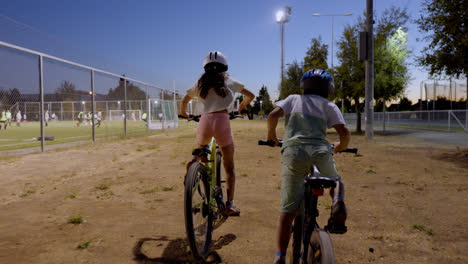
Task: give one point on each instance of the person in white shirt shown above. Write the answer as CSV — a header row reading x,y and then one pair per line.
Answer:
x,y
46,117
215,90
18,118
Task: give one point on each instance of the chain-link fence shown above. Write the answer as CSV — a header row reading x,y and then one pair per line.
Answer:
x,y
46,100
440,120
443,95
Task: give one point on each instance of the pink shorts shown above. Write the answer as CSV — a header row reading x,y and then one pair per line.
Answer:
x,y
215,125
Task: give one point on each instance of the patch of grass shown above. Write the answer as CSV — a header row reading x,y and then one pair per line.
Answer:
x,y
70,196
83,245
424,229
167,189
364,186
121,168
27,193
149,191
102,187
370,171
244,175
73,174
357,155
462,189
106,195
402,182
76,220
328,206
376,237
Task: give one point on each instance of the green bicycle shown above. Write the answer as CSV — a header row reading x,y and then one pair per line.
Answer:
x,y
204,205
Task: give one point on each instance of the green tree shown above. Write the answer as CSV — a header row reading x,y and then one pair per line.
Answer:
x,y
264,96
66,91
390,53
133,92
316,55
291,80
445,22
405,104
392,73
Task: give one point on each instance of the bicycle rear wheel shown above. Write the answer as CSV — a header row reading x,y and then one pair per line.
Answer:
x,y
198,218
321,248
297,240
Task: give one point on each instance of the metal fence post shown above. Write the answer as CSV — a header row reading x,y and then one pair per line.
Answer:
x,y
41,108
125,106
92,105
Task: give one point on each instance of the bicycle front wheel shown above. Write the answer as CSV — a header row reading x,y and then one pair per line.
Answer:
x,y
198,218
321,248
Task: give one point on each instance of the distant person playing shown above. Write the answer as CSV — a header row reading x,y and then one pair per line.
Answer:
x,y
18,118
3,120
80,118
307,118
133,118
89,119
98,119
215,90
8,116
46,117
54,117
24,118
160,116
143,117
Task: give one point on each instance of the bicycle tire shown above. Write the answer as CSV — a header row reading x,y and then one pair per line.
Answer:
x,y
297,239
321,248
198,235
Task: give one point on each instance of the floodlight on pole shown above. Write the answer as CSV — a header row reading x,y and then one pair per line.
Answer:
x,y
282,16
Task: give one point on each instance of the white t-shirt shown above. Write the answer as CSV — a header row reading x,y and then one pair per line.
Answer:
x,y
213,102
307,119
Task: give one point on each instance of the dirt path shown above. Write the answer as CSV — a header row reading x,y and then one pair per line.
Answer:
x,y
407,201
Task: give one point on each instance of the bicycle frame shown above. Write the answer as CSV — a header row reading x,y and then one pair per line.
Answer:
x,y
211,171
310,218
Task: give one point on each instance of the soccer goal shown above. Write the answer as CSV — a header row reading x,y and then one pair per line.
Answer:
x,y
162,114
118,115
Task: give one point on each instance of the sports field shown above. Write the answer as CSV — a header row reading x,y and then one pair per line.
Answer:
x,y
26,134
121,201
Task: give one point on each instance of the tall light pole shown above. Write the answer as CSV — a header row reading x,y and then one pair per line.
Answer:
x,y
332,41
282,16
369,104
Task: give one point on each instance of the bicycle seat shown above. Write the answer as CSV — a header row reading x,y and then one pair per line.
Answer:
x,y
316,180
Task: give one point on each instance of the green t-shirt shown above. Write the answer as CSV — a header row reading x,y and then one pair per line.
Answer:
x,y
3,117
143,116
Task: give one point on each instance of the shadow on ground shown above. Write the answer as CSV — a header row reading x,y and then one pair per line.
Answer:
x,y
161,250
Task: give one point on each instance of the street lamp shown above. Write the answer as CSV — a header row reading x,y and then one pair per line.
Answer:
x,y
282,16
331,53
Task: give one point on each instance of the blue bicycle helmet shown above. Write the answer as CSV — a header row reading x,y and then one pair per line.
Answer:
x,y
318,82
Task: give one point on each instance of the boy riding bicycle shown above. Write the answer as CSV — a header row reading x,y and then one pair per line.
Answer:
x,y
307,118
215,90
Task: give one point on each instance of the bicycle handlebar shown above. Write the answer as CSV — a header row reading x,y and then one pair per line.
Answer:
x,y
271,143
232,115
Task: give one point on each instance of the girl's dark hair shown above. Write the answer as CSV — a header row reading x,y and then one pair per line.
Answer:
x,y
212,78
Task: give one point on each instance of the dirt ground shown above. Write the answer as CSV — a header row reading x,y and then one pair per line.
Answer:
x,y
407,202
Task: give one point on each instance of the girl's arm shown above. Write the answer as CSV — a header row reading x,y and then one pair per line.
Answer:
x,y
249,96
183,106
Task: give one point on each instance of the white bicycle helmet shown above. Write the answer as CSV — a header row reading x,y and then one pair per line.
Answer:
x,y
216,61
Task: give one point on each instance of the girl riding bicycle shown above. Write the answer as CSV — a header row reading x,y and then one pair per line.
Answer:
x,y
215,90
307,118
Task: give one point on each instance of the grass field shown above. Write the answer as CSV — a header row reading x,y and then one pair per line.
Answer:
x,y
63,131
121,201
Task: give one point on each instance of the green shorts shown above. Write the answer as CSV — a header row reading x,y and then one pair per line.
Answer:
x,y
297,162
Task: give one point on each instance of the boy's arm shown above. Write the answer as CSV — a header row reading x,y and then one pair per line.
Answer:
x,y
273,122
345,137
249,96
183,106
